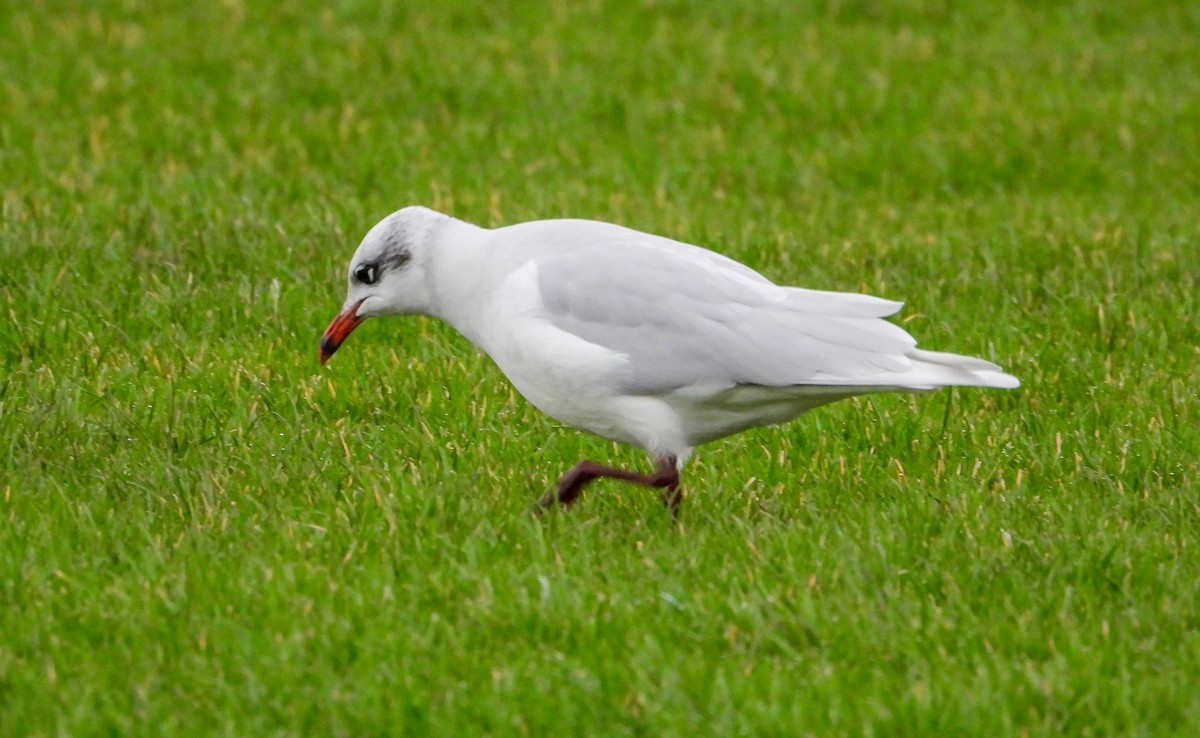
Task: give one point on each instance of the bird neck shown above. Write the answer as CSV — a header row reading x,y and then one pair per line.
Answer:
x,y
459,284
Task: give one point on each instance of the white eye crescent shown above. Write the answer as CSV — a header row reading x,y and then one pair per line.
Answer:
x,y
367,273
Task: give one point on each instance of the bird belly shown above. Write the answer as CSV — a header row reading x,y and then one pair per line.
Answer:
x,y
712,412
579,383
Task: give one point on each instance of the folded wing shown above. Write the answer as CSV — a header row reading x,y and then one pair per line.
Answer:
x,y
685,316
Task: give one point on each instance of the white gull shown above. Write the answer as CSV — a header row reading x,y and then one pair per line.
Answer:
x,y
636,337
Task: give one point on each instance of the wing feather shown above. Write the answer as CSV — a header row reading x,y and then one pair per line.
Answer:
x,y
684,316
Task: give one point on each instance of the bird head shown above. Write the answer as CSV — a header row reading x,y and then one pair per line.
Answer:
x,y
386,274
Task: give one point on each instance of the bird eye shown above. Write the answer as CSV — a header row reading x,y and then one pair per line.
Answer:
x,y
367,273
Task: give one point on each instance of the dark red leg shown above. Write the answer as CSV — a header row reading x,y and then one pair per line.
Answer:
x,y
571,486
672,495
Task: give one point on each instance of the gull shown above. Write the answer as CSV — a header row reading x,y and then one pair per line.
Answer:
x,y
638,338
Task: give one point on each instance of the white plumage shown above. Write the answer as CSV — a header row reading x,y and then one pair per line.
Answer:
x,y
636,337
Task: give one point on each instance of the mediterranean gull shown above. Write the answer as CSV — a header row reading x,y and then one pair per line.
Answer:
x,y
636,337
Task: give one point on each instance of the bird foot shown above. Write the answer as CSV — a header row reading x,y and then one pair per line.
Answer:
x,y
571,486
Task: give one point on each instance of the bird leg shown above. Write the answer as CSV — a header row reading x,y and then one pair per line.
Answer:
x,y
571,486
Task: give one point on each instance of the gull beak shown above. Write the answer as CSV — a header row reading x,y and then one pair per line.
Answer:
x,y
345,322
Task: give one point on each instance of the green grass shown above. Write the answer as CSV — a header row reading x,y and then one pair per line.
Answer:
x,y
203,532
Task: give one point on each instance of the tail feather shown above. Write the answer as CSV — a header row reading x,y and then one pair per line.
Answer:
x,y
922,371
940,368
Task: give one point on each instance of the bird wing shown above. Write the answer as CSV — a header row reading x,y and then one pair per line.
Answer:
x,y
686,316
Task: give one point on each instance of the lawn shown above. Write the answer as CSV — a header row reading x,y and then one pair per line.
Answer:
x,y
203,532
